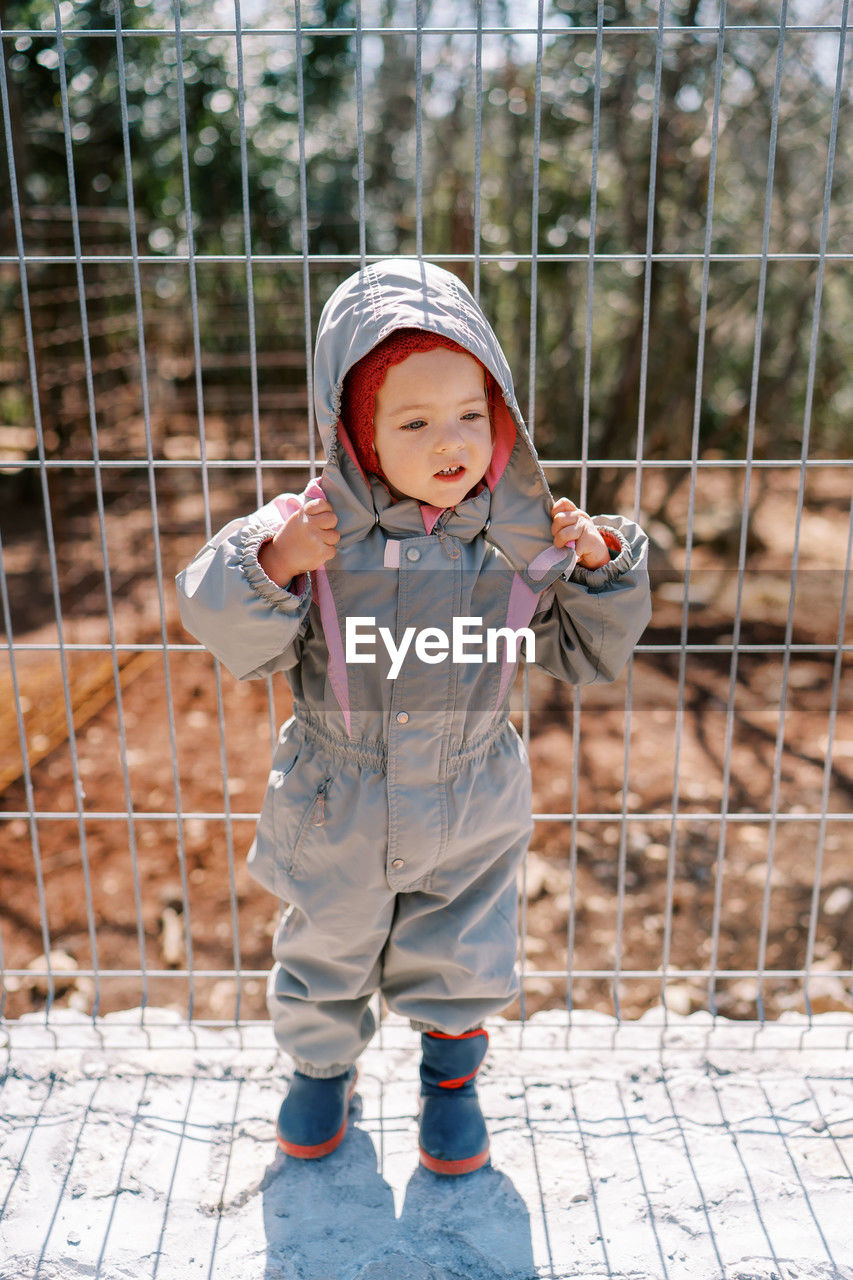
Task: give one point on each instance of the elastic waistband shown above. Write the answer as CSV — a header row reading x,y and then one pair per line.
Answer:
x,y
372,753
369,754
476,748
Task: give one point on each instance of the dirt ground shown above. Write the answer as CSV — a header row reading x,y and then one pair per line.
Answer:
x,y
156,893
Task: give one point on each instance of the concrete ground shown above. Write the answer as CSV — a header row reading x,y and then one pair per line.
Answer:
x,y
692,1150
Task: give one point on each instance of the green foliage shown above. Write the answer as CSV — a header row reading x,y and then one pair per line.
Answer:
x,y
590,398
163,96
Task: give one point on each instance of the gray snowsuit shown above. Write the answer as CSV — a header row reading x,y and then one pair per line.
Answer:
x,y
398,806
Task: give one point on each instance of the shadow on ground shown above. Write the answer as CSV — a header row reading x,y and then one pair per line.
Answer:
x,y
345,1225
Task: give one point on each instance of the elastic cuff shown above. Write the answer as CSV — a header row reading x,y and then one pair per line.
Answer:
x,y
321,1073
594,579
253,538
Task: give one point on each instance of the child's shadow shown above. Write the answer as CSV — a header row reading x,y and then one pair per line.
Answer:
x,y
334,1219
473,1226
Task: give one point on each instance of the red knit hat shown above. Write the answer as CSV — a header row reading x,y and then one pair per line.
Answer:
x,y
358,402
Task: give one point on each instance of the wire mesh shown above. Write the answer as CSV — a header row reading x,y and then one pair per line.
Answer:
x,y
126,751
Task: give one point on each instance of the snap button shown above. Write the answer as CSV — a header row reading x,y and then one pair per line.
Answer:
x,y
413,554
398,864
402,717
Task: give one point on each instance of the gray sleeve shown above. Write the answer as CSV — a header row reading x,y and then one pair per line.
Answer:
x,y
588,624
228,603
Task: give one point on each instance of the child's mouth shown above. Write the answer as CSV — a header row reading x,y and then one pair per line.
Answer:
x,y
450,473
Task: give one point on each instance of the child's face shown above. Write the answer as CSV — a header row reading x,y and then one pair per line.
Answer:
x,y
432,433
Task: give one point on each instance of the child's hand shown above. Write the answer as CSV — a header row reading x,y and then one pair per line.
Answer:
x,y
570,524
307,539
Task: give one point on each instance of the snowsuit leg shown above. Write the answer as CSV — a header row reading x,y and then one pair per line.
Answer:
x,y
328,964
327,862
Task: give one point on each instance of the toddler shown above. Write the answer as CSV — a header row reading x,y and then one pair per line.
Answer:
x,y
396,593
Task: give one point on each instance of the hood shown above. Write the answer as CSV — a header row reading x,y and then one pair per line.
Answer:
x,y
404,293
399,293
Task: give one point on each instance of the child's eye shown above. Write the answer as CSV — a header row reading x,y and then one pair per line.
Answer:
x,y
414,425
472,415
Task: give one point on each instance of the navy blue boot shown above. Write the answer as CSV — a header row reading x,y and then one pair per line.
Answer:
x,y
313,1117
453,1135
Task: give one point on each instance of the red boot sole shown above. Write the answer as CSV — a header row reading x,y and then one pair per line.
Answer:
x,y
452,1167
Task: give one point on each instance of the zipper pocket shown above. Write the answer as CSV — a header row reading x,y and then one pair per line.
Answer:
x,y
314,815
318,812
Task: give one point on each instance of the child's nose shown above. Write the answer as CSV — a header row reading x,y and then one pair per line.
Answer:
x,y
449,436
